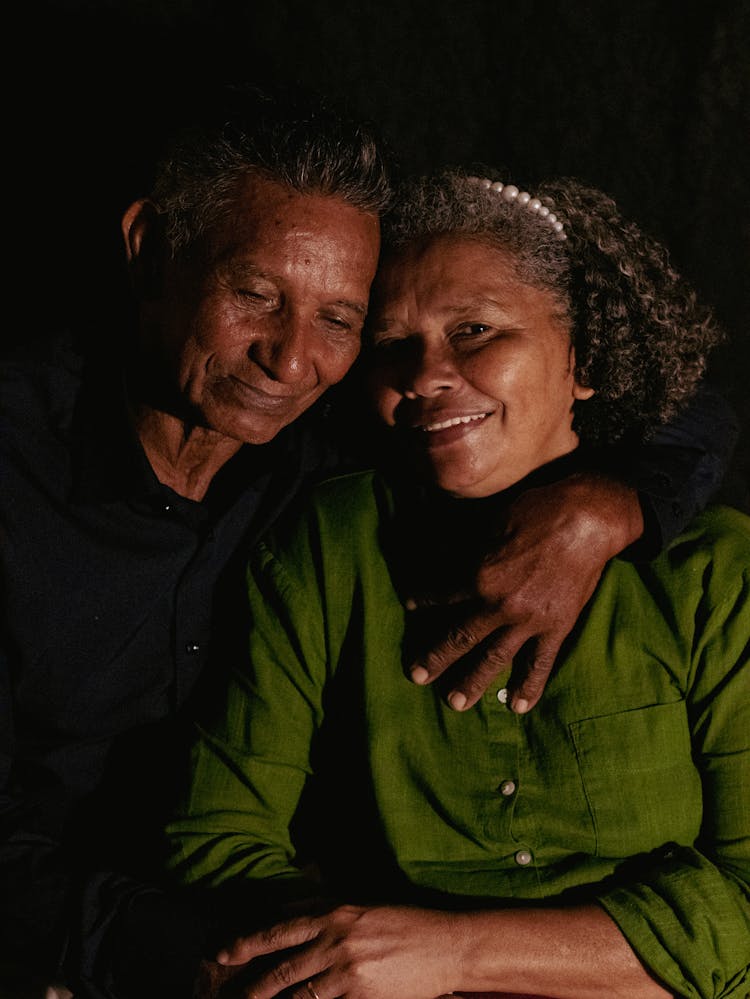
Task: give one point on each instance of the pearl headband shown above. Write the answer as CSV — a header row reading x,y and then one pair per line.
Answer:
x,y
511,194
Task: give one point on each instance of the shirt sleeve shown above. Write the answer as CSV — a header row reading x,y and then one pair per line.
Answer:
x,y
255,749
669,904
100,933
679,470
33,881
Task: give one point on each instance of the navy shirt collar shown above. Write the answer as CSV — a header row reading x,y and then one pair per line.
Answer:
x,y
110,464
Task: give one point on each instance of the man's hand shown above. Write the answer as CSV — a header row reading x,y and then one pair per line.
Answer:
x,y
531,586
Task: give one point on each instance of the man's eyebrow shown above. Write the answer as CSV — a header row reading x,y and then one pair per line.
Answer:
x,y
246,268
357,307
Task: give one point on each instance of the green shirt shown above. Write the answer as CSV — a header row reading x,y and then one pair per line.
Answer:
x,y
629,783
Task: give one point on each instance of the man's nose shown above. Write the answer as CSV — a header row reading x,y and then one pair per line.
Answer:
x,y
283,349
432,370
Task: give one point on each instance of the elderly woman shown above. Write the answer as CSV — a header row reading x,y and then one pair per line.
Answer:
x,y
598,846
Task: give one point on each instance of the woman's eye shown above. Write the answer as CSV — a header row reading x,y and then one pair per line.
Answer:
x,y
474,330
387,345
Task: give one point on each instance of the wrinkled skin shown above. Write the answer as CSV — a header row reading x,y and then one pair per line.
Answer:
x,y
243,334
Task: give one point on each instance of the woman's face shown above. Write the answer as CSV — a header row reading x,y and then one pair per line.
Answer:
x,y
472,366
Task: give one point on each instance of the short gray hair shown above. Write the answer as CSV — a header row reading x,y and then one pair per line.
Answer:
x,y
295,139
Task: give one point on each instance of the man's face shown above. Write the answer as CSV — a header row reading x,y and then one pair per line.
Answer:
x,y
272,313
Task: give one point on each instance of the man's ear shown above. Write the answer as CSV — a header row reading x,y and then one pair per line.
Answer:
x,y
143,231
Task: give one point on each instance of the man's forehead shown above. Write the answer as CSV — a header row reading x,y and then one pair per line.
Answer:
x,y
264,195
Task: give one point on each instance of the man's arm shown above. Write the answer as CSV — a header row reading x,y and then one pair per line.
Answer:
x,y
680,470
33,887
539,571
97,932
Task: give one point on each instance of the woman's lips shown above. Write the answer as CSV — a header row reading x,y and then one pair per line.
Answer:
x,y
451,421
444,430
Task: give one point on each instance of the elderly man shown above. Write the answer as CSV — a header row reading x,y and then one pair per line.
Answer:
x,y
137,472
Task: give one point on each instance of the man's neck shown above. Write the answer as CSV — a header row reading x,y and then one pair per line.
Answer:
x,y
186,458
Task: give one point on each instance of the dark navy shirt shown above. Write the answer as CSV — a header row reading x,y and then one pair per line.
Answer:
x,y
122,603
117,593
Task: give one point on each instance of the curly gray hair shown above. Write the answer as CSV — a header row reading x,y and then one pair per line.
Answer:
x,y
641,337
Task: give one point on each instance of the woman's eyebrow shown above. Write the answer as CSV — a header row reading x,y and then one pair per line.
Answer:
x,y
379,324
475,303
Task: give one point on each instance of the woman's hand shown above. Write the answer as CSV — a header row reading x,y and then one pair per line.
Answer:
x,y
382,952
533,582
401,952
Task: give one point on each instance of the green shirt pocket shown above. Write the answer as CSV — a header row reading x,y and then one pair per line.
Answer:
x,y
640,781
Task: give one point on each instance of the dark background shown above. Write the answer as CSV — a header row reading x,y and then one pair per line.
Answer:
x,y
647,99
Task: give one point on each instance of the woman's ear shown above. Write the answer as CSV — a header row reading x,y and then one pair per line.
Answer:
x,y
580,391
143,232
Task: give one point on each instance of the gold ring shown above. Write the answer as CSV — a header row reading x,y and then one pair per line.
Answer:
x,y
311,990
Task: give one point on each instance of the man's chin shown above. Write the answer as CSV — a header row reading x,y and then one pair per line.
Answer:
x,y
253,428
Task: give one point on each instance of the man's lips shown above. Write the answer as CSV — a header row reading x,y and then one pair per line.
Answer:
x,y
283,396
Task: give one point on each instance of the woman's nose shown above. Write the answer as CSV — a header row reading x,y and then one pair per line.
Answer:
x,y
432,370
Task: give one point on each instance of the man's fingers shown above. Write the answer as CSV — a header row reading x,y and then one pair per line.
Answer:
x,y
482,669
530,674
460,639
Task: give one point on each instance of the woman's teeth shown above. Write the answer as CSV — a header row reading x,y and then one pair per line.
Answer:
x,y
453,422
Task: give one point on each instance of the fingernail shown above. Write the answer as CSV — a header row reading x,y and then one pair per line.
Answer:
x,y
520,705
420,675
457,700
222,957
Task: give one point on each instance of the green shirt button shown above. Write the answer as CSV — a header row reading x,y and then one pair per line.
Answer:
x,y
523,857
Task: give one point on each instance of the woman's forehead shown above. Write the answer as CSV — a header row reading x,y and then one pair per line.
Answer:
x,y
449,266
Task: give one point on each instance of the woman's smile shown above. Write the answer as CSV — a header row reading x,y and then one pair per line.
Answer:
x,y
478,362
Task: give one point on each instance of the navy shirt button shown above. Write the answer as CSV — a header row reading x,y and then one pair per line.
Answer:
x,y
192,647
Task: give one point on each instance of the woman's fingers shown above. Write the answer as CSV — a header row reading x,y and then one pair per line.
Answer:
x,y
281,936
